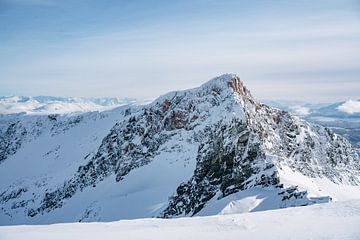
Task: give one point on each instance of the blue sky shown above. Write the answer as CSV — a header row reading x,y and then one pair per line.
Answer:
x,y
295,50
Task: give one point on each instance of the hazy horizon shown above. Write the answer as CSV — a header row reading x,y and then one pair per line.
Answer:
x,y
303,50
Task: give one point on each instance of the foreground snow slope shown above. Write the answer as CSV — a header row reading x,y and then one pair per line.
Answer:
x,y
338,220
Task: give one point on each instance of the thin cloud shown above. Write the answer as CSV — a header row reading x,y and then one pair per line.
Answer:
x,y
173,54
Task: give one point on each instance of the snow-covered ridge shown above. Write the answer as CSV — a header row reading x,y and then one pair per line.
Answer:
x,y
59,105
342,117
203,151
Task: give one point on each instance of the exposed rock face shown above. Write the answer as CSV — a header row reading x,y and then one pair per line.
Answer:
x,y
11,139
241,145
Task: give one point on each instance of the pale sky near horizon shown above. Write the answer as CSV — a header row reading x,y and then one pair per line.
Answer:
x,y
294,50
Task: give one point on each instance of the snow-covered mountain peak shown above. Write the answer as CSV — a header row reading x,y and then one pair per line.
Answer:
x,y
221,81
219,99
190,152
227,84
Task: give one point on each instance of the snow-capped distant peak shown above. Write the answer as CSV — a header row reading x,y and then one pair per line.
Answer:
x,y
58,105
350,106
227,82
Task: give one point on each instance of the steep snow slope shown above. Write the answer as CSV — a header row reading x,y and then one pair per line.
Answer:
x,y
339,220
208,150
260,199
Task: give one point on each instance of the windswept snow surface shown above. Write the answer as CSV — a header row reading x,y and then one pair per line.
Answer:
x,y
262,199
337,220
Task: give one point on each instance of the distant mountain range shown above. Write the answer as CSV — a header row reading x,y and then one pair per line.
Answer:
x,y
344,109
342,117
58,105
51,104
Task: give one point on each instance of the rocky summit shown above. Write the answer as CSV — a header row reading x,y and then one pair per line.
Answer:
x,y
209,150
